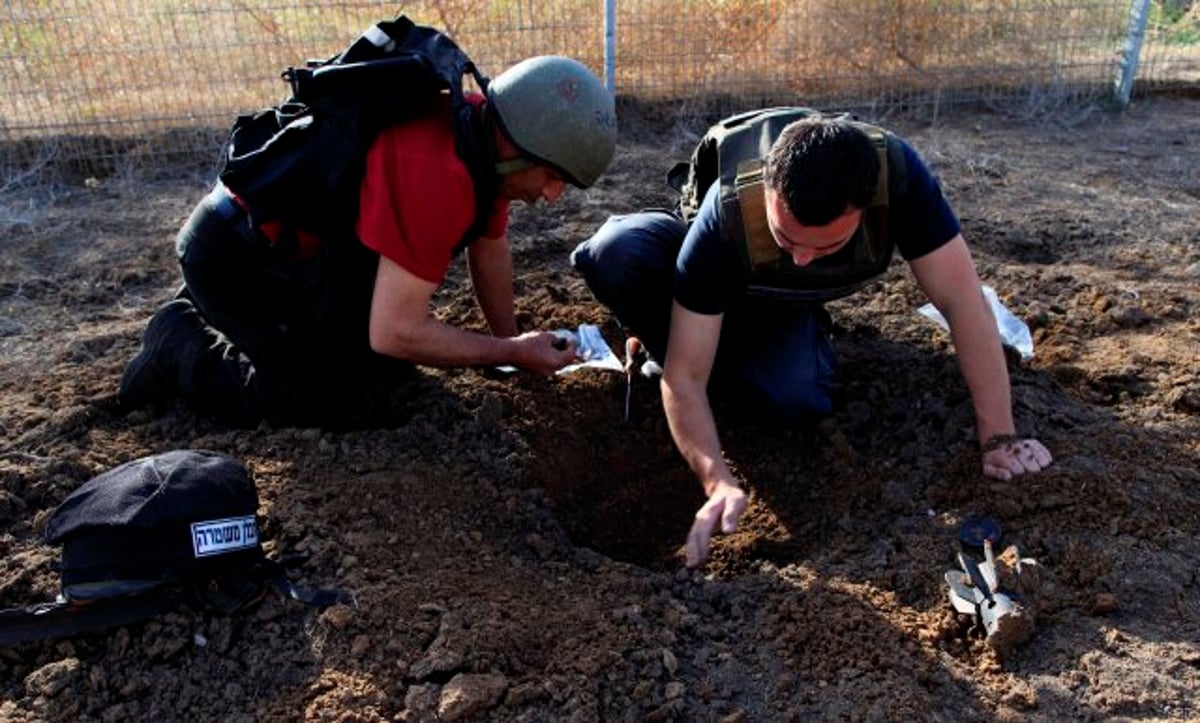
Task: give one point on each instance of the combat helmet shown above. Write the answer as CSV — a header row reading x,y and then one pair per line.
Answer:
x,y
558,114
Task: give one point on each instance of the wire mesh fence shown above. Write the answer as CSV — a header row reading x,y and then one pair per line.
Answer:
x,y
89,81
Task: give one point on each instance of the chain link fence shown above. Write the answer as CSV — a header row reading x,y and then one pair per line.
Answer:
x,y
90,84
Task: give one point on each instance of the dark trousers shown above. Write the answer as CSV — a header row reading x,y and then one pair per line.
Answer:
x,y
288,340
772,357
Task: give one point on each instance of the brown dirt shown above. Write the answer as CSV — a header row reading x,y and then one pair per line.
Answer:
x,y
514,547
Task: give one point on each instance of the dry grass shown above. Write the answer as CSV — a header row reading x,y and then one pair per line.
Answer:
x,y
129,69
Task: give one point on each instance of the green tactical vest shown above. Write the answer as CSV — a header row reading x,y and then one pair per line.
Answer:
x,y
732,153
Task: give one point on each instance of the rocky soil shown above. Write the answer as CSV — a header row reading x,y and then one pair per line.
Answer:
x,y
514,546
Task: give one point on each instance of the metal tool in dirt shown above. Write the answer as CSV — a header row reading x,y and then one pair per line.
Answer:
x,y
991,589
633,349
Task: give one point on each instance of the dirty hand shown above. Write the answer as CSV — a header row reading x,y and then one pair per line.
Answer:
x,y
1007,458
633,347
544,352
725,505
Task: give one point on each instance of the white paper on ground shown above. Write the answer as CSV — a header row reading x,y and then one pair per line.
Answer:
x,y
592,349
1013,331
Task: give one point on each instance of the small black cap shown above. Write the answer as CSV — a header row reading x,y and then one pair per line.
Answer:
x,y
974,530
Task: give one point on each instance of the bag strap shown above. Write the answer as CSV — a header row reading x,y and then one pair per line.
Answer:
x,y
60,619
275,574
237,591
316,597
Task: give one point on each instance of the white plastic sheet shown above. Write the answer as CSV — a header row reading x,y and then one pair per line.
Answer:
x,y
592,349
1013,331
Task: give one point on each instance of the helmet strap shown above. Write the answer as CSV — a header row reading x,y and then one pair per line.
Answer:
x,y
512,165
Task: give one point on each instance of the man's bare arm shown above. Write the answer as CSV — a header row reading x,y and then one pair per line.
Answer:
x,y
402,327
691,351
490,263
948,277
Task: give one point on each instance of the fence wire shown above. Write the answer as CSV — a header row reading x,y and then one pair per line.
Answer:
x,y
101,79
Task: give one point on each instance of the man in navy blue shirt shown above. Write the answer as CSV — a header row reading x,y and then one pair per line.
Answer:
x,y
804,209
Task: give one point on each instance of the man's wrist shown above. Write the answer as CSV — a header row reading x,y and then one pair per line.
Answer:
x,y
711,487
996,441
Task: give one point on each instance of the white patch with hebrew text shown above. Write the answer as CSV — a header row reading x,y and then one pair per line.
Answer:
x,y
228,535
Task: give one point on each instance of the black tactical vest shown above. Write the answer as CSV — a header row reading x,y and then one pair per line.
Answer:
x,y
732,154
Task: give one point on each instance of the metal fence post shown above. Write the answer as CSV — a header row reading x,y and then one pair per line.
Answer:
x,y
1139,14
610,44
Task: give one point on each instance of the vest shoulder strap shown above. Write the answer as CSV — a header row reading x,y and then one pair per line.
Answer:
x,y
751,198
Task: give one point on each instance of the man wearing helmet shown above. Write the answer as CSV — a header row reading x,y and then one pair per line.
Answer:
x,y
245,344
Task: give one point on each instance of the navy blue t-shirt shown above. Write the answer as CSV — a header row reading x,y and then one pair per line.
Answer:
x,y
709,269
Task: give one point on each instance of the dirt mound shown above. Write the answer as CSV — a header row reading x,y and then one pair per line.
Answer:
x,y
514,545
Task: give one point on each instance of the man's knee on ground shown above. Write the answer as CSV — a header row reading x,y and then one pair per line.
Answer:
x,y
604,258
606,240
635,249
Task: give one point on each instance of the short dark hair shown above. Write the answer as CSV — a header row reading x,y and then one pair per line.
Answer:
x,y
822,166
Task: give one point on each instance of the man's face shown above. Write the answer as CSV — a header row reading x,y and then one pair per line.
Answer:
x,y
532,185
806,244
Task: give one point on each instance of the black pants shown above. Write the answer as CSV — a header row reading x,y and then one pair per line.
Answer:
x,y
293,345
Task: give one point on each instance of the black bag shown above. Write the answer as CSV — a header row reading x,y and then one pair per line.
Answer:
x,y
143,537
302,162
692,179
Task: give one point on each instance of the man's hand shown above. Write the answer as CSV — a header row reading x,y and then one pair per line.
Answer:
x,y
1007,458
544,352
725,505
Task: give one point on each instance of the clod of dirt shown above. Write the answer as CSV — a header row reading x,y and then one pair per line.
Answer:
x,y
1011,631
1105,603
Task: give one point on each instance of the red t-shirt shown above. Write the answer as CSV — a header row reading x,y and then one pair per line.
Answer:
x,y
417,197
